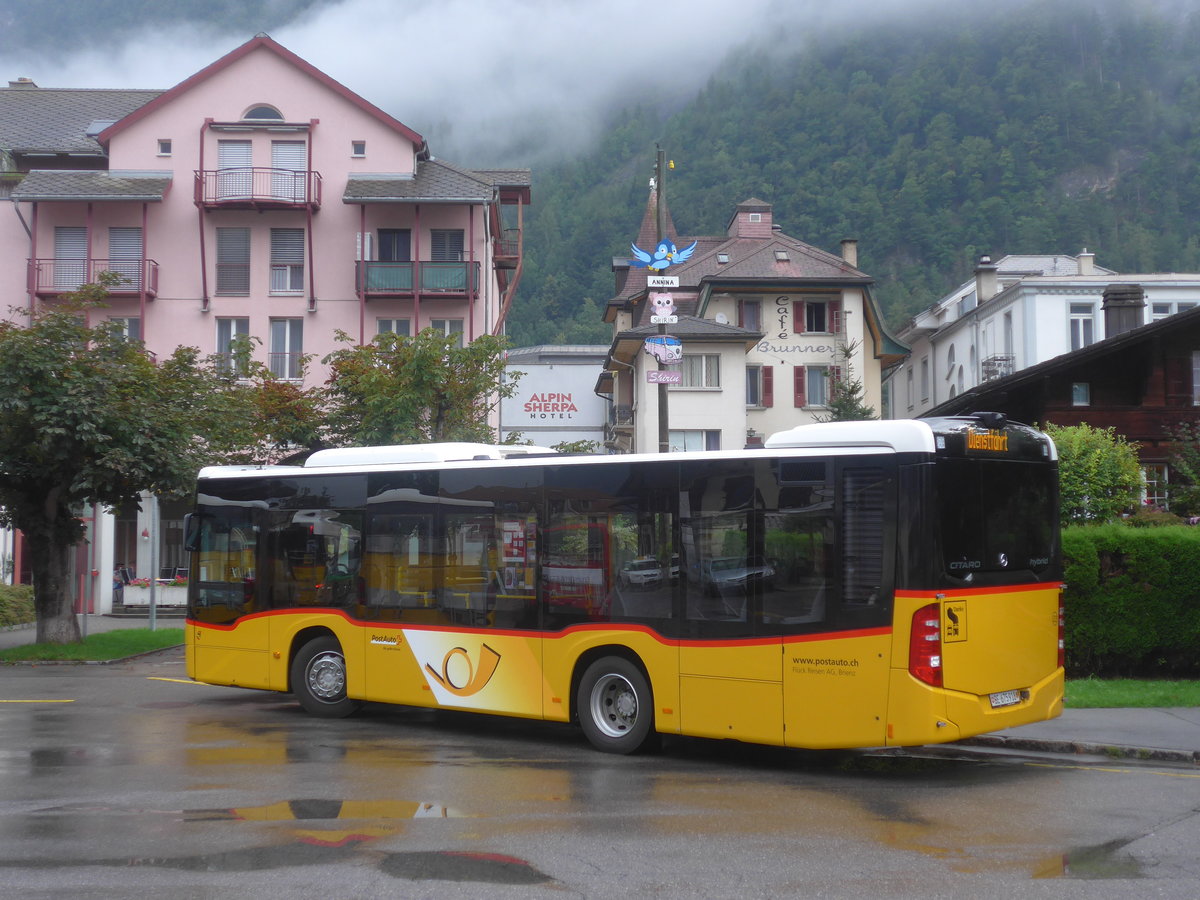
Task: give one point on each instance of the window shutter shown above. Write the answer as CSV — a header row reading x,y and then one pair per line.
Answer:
x,y
834,311
287,246
768,386
798,384
362,246
741,318
798,316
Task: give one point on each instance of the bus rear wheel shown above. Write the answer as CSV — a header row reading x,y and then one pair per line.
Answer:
x,y
319,679
616,710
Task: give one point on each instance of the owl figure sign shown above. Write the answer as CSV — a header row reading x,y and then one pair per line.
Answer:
x,y
661,305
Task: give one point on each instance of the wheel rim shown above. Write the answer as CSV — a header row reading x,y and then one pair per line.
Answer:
x,y
326,676
614,705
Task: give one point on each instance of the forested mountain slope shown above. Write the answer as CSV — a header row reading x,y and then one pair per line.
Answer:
x,y
1035,128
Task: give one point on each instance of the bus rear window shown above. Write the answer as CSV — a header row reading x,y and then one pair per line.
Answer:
x,y
996,515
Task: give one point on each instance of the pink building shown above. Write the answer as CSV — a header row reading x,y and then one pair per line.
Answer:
x,y
258,197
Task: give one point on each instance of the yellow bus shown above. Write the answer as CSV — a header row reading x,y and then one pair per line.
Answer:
x,y
854,584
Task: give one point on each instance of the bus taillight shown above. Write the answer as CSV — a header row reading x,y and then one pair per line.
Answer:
x,y
1062,656
925,645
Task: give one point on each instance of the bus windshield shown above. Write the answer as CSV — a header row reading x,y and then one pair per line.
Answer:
x,y
997,516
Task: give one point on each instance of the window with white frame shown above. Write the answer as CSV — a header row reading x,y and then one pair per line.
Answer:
x,y
909,386
750,314
164,146
700,370
449,327
129,327
1083,325
287,260
285,355
693,439
233,262
924,379
393,326
1081,393
1161,310
760,386
358,148
816,385
228,330
1157,493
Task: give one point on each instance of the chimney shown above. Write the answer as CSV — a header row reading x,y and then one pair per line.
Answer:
x,y
1086,262
850,252
22,83
987,279
1124,308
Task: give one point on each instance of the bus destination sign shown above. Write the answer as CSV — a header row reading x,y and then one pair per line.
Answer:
x,y
987,441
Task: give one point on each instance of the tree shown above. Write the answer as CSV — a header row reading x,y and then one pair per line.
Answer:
x,y
87,417
1098,471
400,390
1185,464
845,391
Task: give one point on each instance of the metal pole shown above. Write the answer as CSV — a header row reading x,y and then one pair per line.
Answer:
x,y
664,434
154,522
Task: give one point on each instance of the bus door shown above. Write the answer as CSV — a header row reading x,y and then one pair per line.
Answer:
x,y
730,661
834,532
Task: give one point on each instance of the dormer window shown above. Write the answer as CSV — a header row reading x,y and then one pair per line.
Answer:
x,y
264,113
722,258
781,256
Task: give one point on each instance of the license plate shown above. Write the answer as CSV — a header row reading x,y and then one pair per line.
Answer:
x,y
1004,698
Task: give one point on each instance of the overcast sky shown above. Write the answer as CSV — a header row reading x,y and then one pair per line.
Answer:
x,y
481,78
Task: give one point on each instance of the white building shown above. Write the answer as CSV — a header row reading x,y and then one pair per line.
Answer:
x,y
1017,312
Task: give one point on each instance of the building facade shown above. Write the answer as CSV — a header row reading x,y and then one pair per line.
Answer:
x,y
1016,313
257,198
555,401
766,324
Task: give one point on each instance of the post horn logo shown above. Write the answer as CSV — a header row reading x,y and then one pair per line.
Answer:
x,y
476,678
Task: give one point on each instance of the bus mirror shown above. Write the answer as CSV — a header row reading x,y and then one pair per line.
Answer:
x,y
191,532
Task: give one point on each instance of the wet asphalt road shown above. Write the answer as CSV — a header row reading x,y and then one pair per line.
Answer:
x,y
127,780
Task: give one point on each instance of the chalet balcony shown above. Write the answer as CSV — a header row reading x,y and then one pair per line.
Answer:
x,y
53,277
998,366
397,279
260,188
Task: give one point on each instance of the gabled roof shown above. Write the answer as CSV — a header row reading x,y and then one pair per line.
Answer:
x,y
758,260
59,184
261,41
58,120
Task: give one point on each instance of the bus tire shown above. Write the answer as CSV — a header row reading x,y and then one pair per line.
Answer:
x,y
616,709
319,679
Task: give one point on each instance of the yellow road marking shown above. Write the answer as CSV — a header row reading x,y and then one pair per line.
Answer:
x,y
1113,771
175,680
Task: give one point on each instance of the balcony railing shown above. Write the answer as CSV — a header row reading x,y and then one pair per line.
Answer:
x,y
255,187
998,366
396,279
50,277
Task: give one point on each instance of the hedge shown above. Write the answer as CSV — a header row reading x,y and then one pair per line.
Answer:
x,y
1132,600
16,604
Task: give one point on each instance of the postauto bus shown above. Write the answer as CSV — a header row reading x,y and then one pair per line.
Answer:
x,y
854,584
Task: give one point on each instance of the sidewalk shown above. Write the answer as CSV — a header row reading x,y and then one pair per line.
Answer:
x,y
1167,735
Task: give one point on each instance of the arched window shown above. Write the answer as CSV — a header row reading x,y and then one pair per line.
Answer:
x,y
950,362
264,112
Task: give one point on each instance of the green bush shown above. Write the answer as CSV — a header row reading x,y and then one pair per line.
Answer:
x,y
1132,600
16,604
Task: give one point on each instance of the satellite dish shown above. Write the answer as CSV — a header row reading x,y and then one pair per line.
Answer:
x,y
721,319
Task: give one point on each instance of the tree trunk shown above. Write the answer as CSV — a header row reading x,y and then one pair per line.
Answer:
x,y
52,600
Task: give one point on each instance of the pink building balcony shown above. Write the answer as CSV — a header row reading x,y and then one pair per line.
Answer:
x,y
52,277
397,279
255,187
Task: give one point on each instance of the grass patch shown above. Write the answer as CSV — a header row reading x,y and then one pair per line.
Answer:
x,y
16,604
1113,693
110,645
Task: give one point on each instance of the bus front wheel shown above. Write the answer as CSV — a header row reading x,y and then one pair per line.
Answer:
x,y
616,710
319,679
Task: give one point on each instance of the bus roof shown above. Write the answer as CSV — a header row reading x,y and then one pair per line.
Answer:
x,y
900,435
418,453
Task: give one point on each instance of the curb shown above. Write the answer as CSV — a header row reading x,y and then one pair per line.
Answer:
x,y
84,662
1082,748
